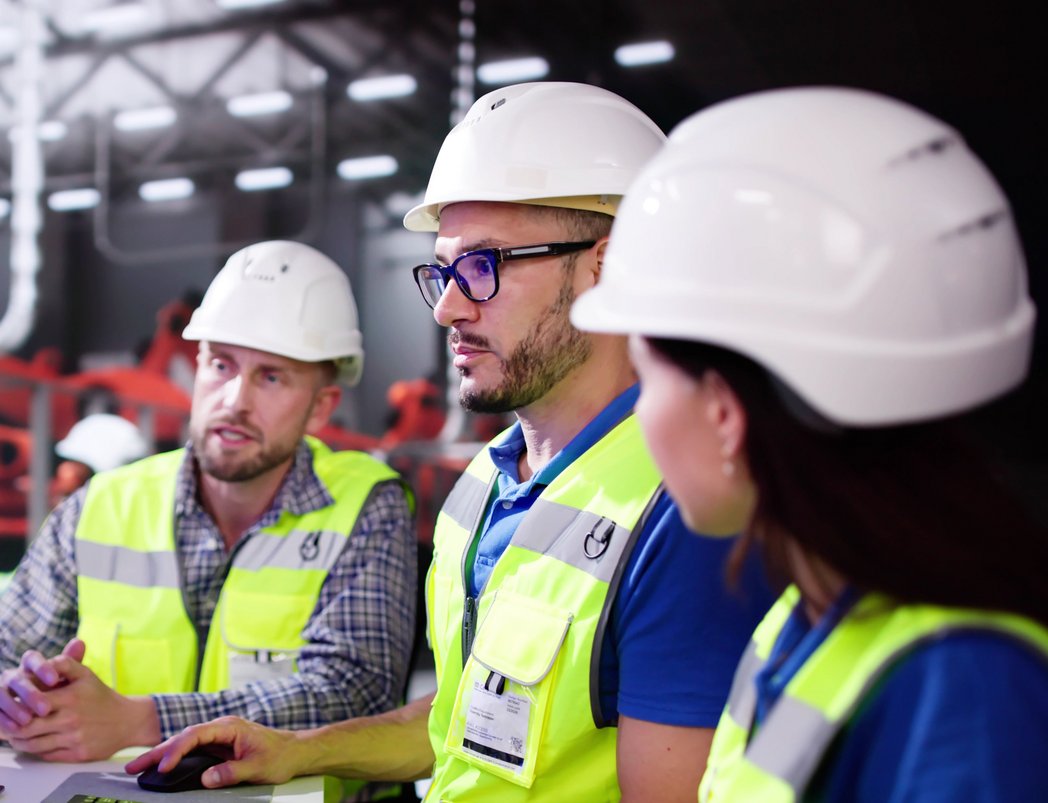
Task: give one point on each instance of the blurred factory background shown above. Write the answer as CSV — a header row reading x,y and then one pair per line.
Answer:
x,y
146,140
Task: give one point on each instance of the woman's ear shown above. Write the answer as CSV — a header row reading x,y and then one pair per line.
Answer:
x,y
725,413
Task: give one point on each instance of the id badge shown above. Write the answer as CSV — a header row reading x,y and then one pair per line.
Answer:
x,y
248,667
496,728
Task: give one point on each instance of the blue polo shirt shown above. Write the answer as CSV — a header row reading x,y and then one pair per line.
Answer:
x,y
676,632
961,718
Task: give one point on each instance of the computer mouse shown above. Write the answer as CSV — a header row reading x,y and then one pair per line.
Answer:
x,y
185,776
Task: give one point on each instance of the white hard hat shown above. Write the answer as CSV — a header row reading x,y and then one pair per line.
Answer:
x,y
102,441
552,143
284,298
848,242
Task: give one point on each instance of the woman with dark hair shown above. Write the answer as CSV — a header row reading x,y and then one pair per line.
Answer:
x,y
820,285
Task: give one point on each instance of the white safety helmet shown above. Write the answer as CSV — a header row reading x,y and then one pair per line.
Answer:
x,y
549,143
848,242
102,441
284,298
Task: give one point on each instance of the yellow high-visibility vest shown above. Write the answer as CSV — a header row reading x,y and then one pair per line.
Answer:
x,y
540,626
776,764
132,617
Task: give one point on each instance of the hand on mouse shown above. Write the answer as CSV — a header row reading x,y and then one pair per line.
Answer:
x,y
261,755
21,690
85,720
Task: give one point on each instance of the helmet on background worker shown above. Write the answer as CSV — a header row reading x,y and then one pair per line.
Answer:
x,y
102,441
284,298
512,147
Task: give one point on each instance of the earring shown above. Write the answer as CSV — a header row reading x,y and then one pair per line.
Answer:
x,y
728,466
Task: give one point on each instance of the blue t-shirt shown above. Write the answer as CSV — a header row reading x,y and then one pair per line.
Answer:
x,y
676,632
962,718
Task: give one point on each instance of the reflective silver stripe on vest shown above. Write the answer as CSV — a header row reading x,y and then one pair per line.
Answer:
x,y
791,742
299,549
742,701
795,736
585,540
118,564
467,497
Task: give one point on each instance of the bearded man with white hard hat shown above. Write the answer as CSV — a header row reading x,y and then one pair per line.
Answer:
x,y
254,572
582,636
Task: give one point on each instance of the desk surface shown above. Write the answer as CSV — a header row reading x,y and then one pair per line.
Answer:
x,y
30,781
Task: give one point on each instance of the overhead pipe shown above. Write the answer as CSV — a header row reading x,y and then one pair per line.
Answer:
x,y
462,97
27,179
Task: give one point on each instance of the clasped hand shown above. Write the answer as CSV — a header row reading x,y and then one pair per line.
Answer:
x,y
59,710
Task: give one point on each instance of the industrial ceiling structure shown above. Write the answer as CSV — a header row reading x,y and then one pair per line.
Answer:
x,y
138,91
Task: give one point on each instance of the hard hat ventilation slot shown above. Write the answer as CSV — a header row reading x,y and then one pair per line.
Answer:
x,y
497,103
982,223
934,147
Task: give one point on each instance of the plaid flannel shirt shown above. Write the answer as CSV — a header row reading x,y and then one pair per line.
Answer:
x,y
358,639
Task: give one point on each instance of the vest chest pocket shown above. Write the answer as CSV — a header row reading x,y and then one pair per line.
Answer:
x,y
133,663
506,690
254,620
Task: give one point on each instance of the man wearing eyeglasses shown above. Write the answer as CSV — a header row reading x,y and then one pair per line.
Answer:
x,y
584,644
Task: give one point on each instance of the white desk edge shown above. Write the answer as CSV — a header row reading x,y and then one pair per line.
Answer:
x,y
299,790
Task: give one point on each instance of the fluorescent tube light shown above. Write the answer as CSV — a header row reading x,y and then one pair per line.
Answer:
x,y
642,53
259,103
263,178
143,119
167,189
385,86
9,36
71,200
52,130
5,207
512,70
48,131
367,167
234,4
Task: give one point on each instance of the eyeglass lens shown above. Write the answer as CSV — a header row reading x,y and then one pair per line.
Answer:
x,y
474,272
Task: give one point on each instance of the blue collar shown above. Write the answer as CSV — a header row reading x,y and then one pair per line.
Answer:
x,y
506,453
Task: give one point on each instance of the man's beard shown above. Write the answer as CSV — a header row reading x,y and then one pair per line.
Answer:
x,y
230,469
537,364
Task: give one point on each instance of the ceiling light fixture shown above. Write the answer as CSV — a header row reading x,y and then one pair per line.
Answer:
x,y
263,178
259,103
642,53
380,87
47,131
144,119
367,167
72,200
166,189
513,70
235,4
9,38
52,130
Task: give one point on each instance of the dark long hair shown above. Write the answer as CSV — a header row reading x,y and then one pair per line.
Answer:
x,y
915,511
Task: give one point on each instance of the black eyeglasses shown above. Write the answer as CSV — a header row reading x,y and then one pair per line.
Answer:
x,y
477,272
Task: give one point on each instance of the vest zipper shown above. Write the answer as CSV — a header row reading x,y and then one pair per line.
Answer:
x,y
469,605
469,624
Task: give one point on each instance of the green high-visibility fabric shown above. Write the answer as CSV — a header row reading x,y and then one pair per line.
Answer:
x,y
131,611
541,619
777,763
